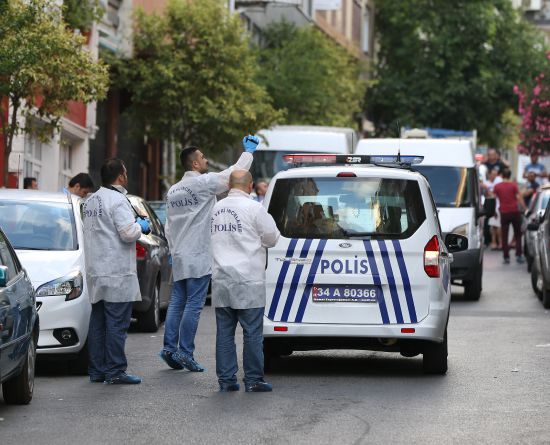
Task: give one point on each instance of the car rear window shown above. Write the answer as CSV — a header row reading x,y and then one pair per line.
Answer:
x,y
336,208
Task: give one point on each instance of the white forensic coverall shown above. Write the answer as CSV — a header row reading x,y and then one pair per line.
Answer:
x,y
110,235
241,231
188,211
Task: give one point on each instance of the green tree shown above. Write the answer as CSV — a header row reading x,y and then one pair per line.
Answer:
x,y
80,14
192,76
309,76
451,64
42,67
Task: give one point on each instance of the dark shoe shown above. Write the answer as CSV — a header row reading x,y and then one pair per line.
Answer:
x,y
96,379
124,379
229,387
166,356
506,260
187,362
520,259
259,387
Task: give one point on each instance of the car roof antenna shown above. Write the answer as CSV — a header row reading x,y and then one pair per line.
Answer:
x,y
398,143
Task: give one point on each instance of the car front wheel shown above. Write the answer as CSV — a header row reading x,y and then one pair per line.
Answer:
x,y
19,389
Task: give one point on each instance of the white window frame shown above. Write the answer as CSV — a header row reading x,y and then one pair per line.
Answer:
x,y
32,157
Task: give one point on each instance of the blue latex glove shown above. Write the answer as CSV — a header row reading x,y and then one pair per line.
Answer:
x,y
145,226
250,143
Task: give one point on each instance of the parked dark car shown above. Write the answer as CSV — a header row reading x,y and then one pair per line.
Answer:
x,y
540,271
160,209
19,328
535,213
153,268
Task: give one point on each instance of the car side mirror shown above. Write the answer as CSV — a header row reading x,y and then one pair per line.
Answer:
x,y
3,276
533,226
456,243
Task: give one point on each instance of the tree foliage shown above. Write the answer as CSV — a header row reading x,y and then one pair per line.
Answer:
x,y
43,66
192,76
534,108
80,14
310,77
451,64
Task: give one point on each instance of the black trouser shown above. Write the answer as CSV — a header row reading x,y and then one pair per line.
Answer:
x,y
513,218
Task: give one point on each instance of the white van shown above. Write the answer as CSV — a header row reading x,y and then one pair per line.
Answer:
x,y
450,169
283,139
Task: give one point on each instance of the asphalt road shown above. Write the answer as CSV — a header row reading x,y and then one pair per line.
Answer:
x,y
497,389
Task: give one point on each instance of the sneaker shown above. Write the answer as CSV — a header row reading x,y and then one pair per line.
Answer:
x,y
97,379
229,387
520,259
187,362
506,260
259,387
166,356
124,379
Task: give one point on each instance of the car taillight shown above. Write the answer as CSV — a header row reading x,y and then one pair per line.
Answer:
x,y
431,258
141,253
346,175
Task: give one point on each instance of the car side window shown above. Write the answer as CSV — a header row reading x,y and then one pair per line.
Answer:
x,y
6,258
158,229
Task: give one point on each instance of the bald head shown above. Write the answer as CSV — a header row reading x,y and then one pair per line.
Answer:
x,y
241,180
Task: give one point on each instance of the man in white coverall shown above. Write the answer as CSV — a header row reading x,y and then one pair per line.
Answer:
x,y
110,235
189,206
241,231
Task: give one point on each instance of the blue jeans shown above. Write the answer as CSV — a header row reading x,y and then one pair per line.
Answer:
x,y
109,323
252,321
182,318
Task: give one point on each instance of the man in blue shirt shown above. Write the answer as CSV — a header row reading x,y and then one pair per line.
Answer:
x,y
536,167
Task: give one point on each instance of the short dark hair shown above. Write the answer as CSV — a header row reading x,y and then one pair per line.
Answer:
x,y
506,173
27,182
111,169
84,179
186,157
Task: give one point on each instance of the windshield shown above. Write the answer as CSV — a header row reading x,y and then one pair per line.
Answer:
x,y
336,208
35,225
268,163
451,186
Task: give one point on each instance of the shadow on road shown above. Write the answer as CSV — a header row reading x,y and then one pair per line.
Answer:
x,y
347,363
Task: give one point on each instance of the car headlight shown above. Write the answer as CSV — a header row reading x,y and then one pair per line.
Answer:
x,y
70,285
463,230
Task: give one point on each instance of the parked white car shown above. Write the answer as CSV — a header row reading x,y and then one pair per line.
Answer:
x,y
45,230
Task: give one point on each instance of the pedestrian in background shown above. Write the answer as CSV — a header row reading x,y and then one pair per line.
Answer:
x,y
30,183
530,188
494,160
261,189
80,185
110,235
510,204
494,221
537,168
241,231
189,206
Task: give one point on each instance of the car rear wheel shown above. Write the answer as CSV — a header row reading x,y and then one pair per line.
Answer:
x,y
149,321
434,359
19,389
472,288
536,281
546,298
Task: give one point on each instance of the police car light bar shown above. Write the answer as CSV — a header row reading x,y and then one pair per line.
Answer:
x,y
318,158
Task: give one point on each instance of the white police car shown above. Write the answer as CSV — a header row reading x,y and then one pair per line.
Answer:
x,y
361,263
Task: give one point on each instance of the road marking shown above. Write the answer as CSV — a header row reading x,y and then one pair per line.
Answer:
x,y
547,345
